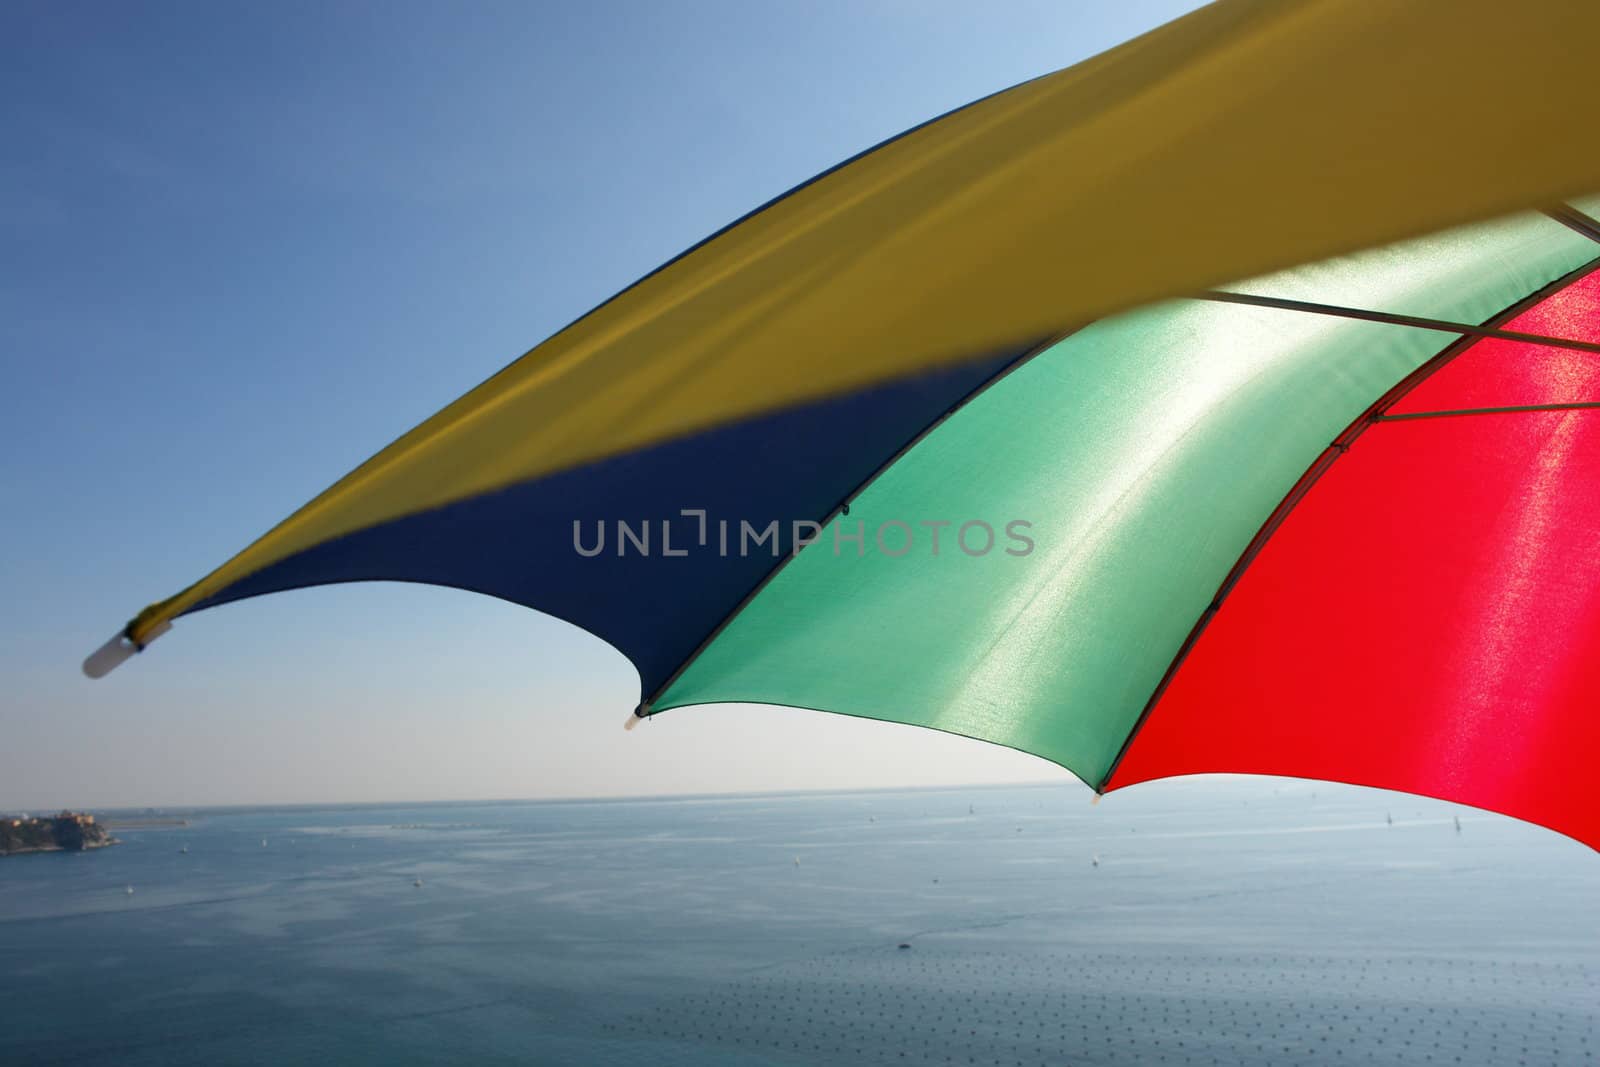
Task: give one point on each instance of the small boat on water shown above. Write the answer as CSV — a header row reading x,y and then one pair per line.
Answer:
x,y
418,883
130,890
184,850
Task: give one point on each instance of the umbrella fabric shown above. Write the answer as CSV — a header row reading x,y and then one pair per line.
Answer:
x,y
935,339
1427,618
1190,424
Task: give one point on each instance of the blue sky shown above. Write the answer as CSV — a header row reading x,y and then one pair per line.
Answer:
x,y
248,245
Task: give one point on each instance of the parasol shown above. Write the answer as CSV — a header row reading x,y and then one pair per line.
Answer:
x,y
982,431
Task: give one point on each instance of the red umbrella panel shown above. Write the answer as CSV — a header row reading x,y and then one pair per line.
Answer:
x,y
1426,617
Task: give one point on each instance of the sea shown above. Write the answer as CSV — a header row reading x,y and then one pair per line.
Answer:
x,y
1199,921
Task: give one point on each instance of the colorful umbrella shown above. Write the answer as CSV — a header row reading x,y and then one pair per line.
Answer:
x,y
1337,521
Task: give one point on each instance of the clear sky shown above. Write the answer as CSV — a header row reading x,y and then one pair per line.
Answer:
x,y
247,245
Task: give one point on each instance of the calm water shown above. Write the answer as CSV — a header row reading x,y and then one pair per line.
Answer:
x,y
1226,922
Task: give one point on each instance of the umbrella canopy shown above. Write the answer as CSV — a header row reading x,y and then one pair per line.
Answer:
x,y
1054,490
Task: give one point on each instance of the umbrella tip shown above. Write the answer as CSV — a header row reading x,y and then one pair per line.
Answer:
x,y
111,655
635,716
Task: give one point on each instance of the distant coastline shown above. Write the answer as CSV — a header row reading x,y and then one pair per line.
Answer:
x,y
67,832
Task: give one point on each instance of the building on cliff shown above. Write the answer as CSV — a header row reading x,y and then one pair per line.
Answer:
x,y
67,832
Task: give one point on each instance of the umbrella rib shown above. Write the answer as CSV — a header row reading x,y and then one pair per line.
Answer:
x,y
1574,219
647,703
1510,410
1280,303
